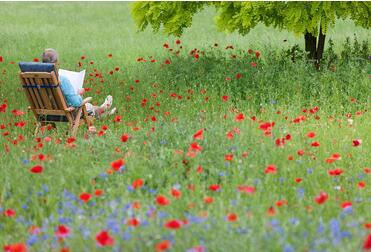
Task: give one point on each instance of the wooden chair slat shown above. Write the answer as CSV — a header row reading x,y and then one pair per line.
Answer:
x,y
43,93
49,112
35,75
31,92
37,93
49,93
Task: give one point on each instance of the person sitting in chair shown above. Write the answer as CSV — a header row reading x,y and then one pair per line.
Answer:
x,y
72,98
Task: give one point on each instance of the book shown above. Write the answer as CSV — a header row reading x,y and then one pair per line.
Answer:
x,y
76,78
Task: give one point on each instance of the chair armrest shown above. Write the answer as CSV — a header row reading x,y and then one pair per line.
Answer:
x,y
70,109
86,100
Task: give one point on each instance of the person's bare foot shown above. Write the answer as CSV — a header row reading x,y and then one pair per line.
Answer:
x,y
92,130
108,102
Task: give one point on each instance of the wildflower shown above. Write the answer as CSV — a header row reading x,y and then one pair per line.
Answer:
x,y
125,138
231,217
104,239
173,224
85,197
357,142
62,231
37,169
138,183
163,246
335,172
15,247
162,200
214,187
240,117
228,157
9,213
117,164
199,134
270,169
311,134
367,243
321,198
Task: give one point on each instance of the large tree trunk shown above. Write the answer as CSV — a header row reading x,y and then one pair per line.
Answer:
x,y
310,45
314,50
320,47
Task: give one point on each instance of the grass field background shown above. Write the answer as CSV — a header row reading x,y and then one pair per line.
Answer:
x,y
252,210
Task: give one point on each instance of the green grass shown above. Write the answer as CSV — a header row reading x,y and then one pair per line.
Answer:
x,y
275,91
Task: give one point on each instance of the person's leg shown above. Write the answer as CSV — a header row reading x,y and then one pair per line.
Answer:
x,y
102,110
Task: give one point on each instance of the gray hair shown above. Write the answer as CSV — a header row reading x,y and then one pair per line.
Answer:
x,y
50,56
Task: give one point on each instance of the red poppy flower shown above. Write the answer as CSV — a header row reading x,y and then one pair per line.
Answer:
x,y
37,169
195,147
361,184
35,60
199,134
321,198
315,144
133,222
138,183
117,119
238,75
71,140
300,152
228,157
104,239
346,204
163,246
177,41
246,189
196,55
176,193
270,169
162,200
9,213
125,138
231,217
166,45
98,192
16,247
109,55
1,59
173,224
253,64
240,117
311,134
208,200
357,142
257,54
214,187
335,172
85,197
117,164
62,231
367,243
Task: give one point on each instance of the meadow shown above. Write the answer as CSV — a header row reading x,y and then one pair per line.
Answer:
x,y
219,143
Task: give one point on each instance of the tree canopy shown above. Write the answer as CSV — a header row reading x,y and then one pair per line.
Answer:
x,y
312,19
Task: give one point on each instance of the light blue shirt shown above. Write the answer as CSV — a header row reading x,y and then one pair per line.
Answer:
x,y
69,93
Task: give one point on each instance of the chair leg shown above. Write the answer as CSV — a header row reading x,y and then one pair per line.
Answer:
x,y
76,123
86,117
38,125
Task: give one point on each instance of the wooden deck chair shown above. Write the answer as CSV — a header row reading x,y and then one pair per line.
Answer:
x,y
41,85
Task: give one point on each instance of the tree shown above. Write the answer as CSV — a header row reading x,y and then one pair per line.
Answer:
x,y
312,19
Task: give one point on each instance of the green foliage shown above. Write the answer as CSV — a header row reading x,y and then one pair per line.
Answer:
x,y
298,17
174,16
